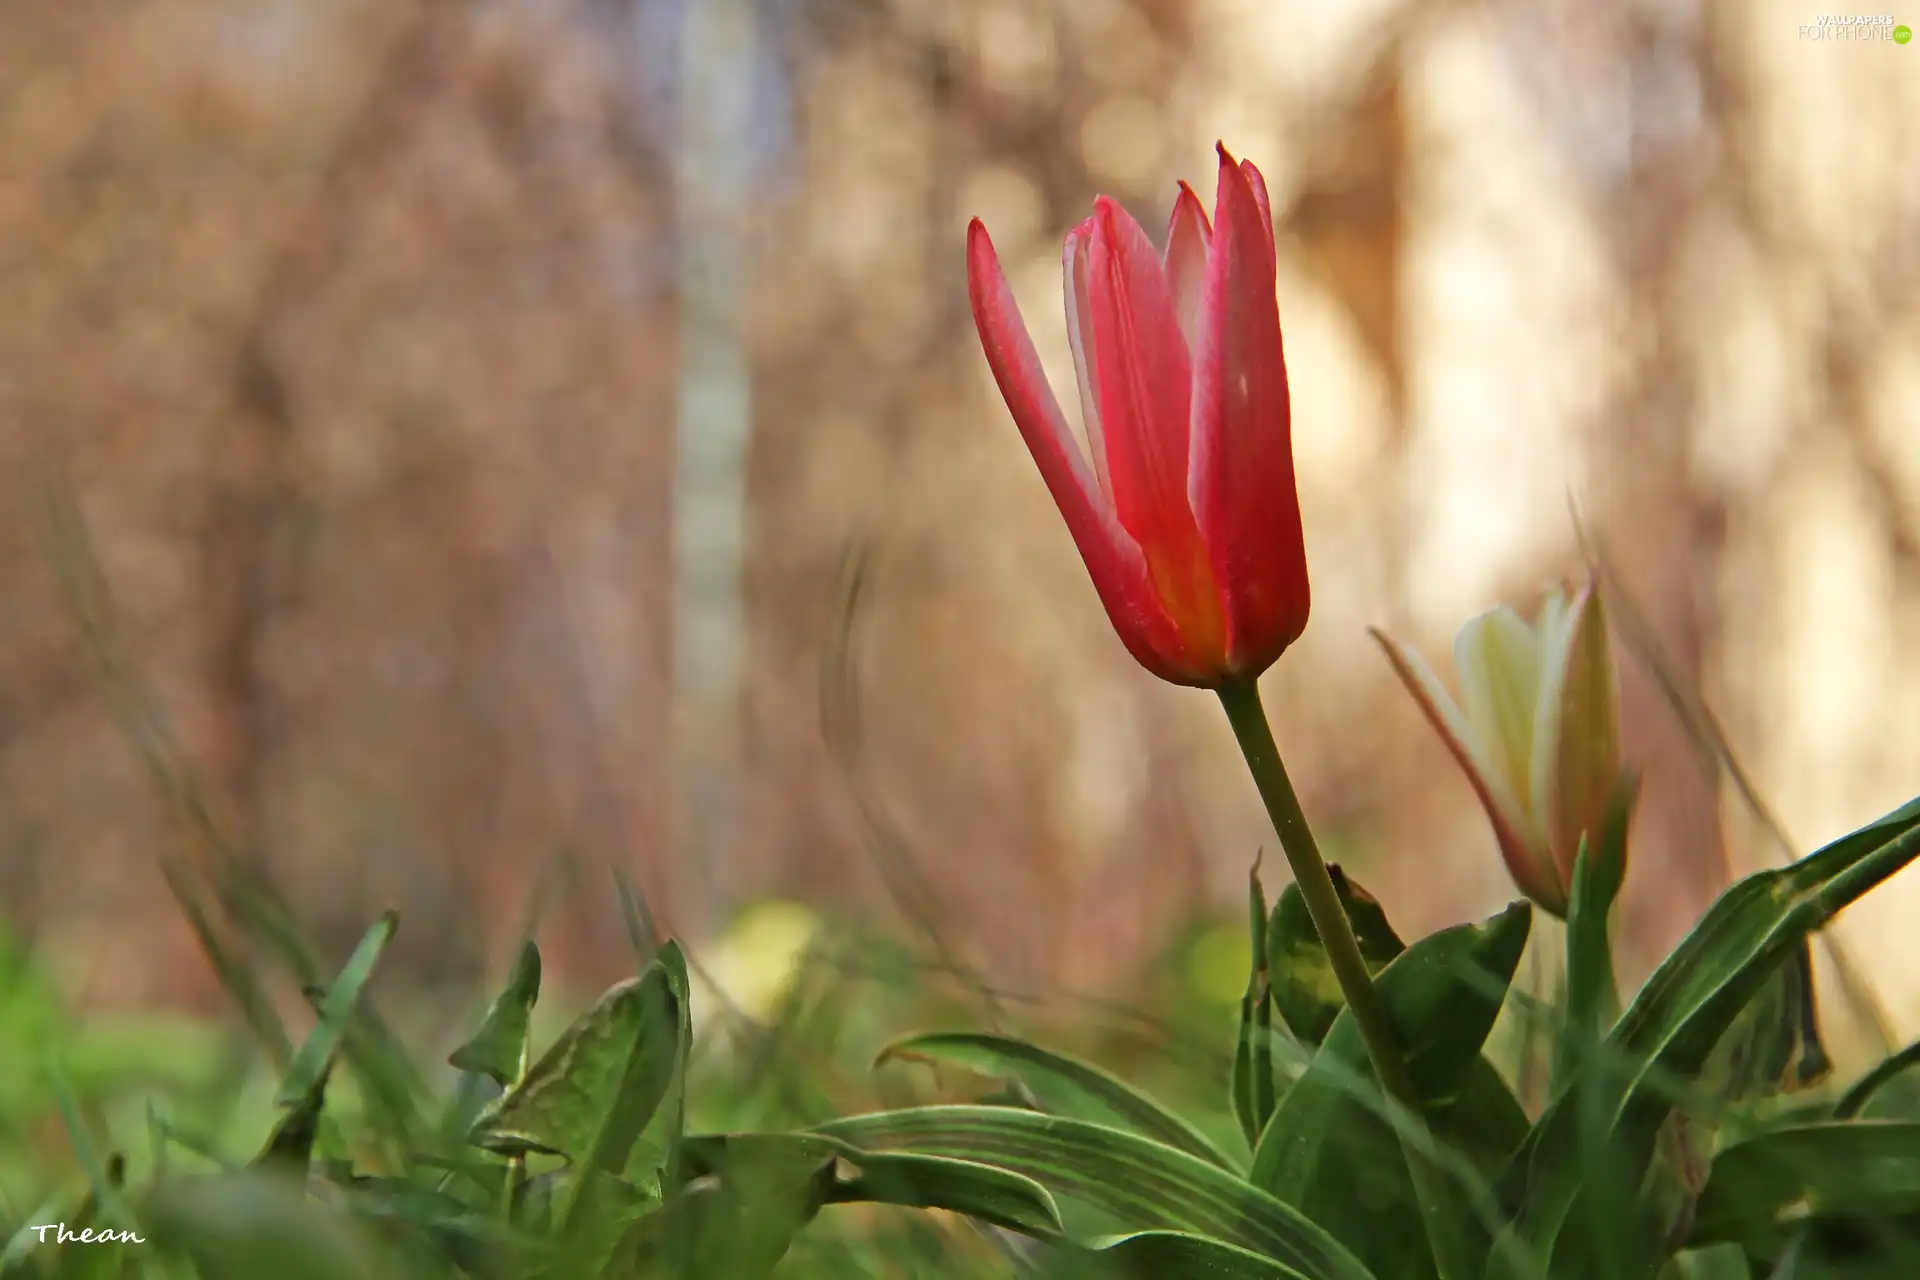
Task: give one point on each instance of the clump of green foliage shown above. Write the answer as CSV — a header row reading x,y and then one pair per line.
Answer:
x,y
1678,1135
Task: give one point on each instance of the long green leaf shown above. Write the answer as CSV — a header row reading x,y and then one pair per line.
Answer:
x,y
673,962
1685,1009
593,1091
1599,869
289,1145
104,1176
1305,991
1766,1187
499,1048
1251,1088
982,1191
1328,1151
652,1064
1862,1091
1441,996
240,1227
1147,1185
1159,1255
1592,1004
842,1173
1064,1085
761,1188
336,1007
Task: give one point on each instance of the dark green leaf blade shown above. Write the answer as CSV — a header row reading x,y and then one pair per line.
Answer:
x,y
336,1007
1251,1088
1064,1085
593,1091
499,1048
289,1147
1687,1007
1301,976
1330,1152
1158,1255
1145,1184
847,1174
652,1065
1593,1000
242,1226
1766,1187
1862,1091
982,1191
767,1185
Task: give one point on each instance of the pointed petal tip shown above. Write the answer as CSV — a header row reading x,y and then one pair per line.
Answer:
x,y
1188,207
981,258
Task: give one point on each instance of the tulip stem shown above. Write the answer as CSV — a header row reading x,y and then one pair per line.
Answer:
x,y
1241,698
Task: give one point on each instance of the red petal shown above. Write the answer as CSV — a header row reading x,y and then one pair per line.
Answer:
x,y
1188,234
1259,186
1145,388
1242,480
1114,561
1074,271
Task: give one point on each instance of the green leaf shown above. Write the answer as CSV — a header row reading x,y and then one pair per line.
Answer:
x,y
1593,1000
1680,1016
981,1191
19,1255
436,1220
1063,1085
1855,1100
594,1090
1329,1151
1157,1255
104,1177
750,1193
1305,991
1484,1122
770,1187
289,1146
1591,1006
604,1213
316,1054
1764,1189
499,1048
841,1173
243,1226
1773,1046
1251,1087
674,963
1147,1185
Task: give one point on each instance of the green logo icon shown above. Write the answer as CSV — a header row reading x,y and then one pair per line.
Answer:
x,y
1902,34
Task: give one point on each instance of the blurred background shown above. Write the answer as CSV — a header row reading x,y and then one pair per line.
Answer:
x,y
525,435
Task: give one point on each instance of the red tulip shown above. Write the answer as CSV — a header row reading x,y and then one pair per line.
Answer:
x,y
1187,519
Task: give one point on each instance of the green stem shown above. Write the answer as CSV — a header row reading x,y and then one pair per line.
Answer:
x,y
1249,720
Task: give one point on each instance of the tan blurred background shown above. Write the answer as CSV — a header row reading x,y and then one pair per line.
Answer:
x,y
476,404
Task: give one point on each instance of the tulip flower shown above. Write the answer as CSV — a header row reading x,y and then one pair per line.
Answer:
x,y
1186,517
1183,504
1537,730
